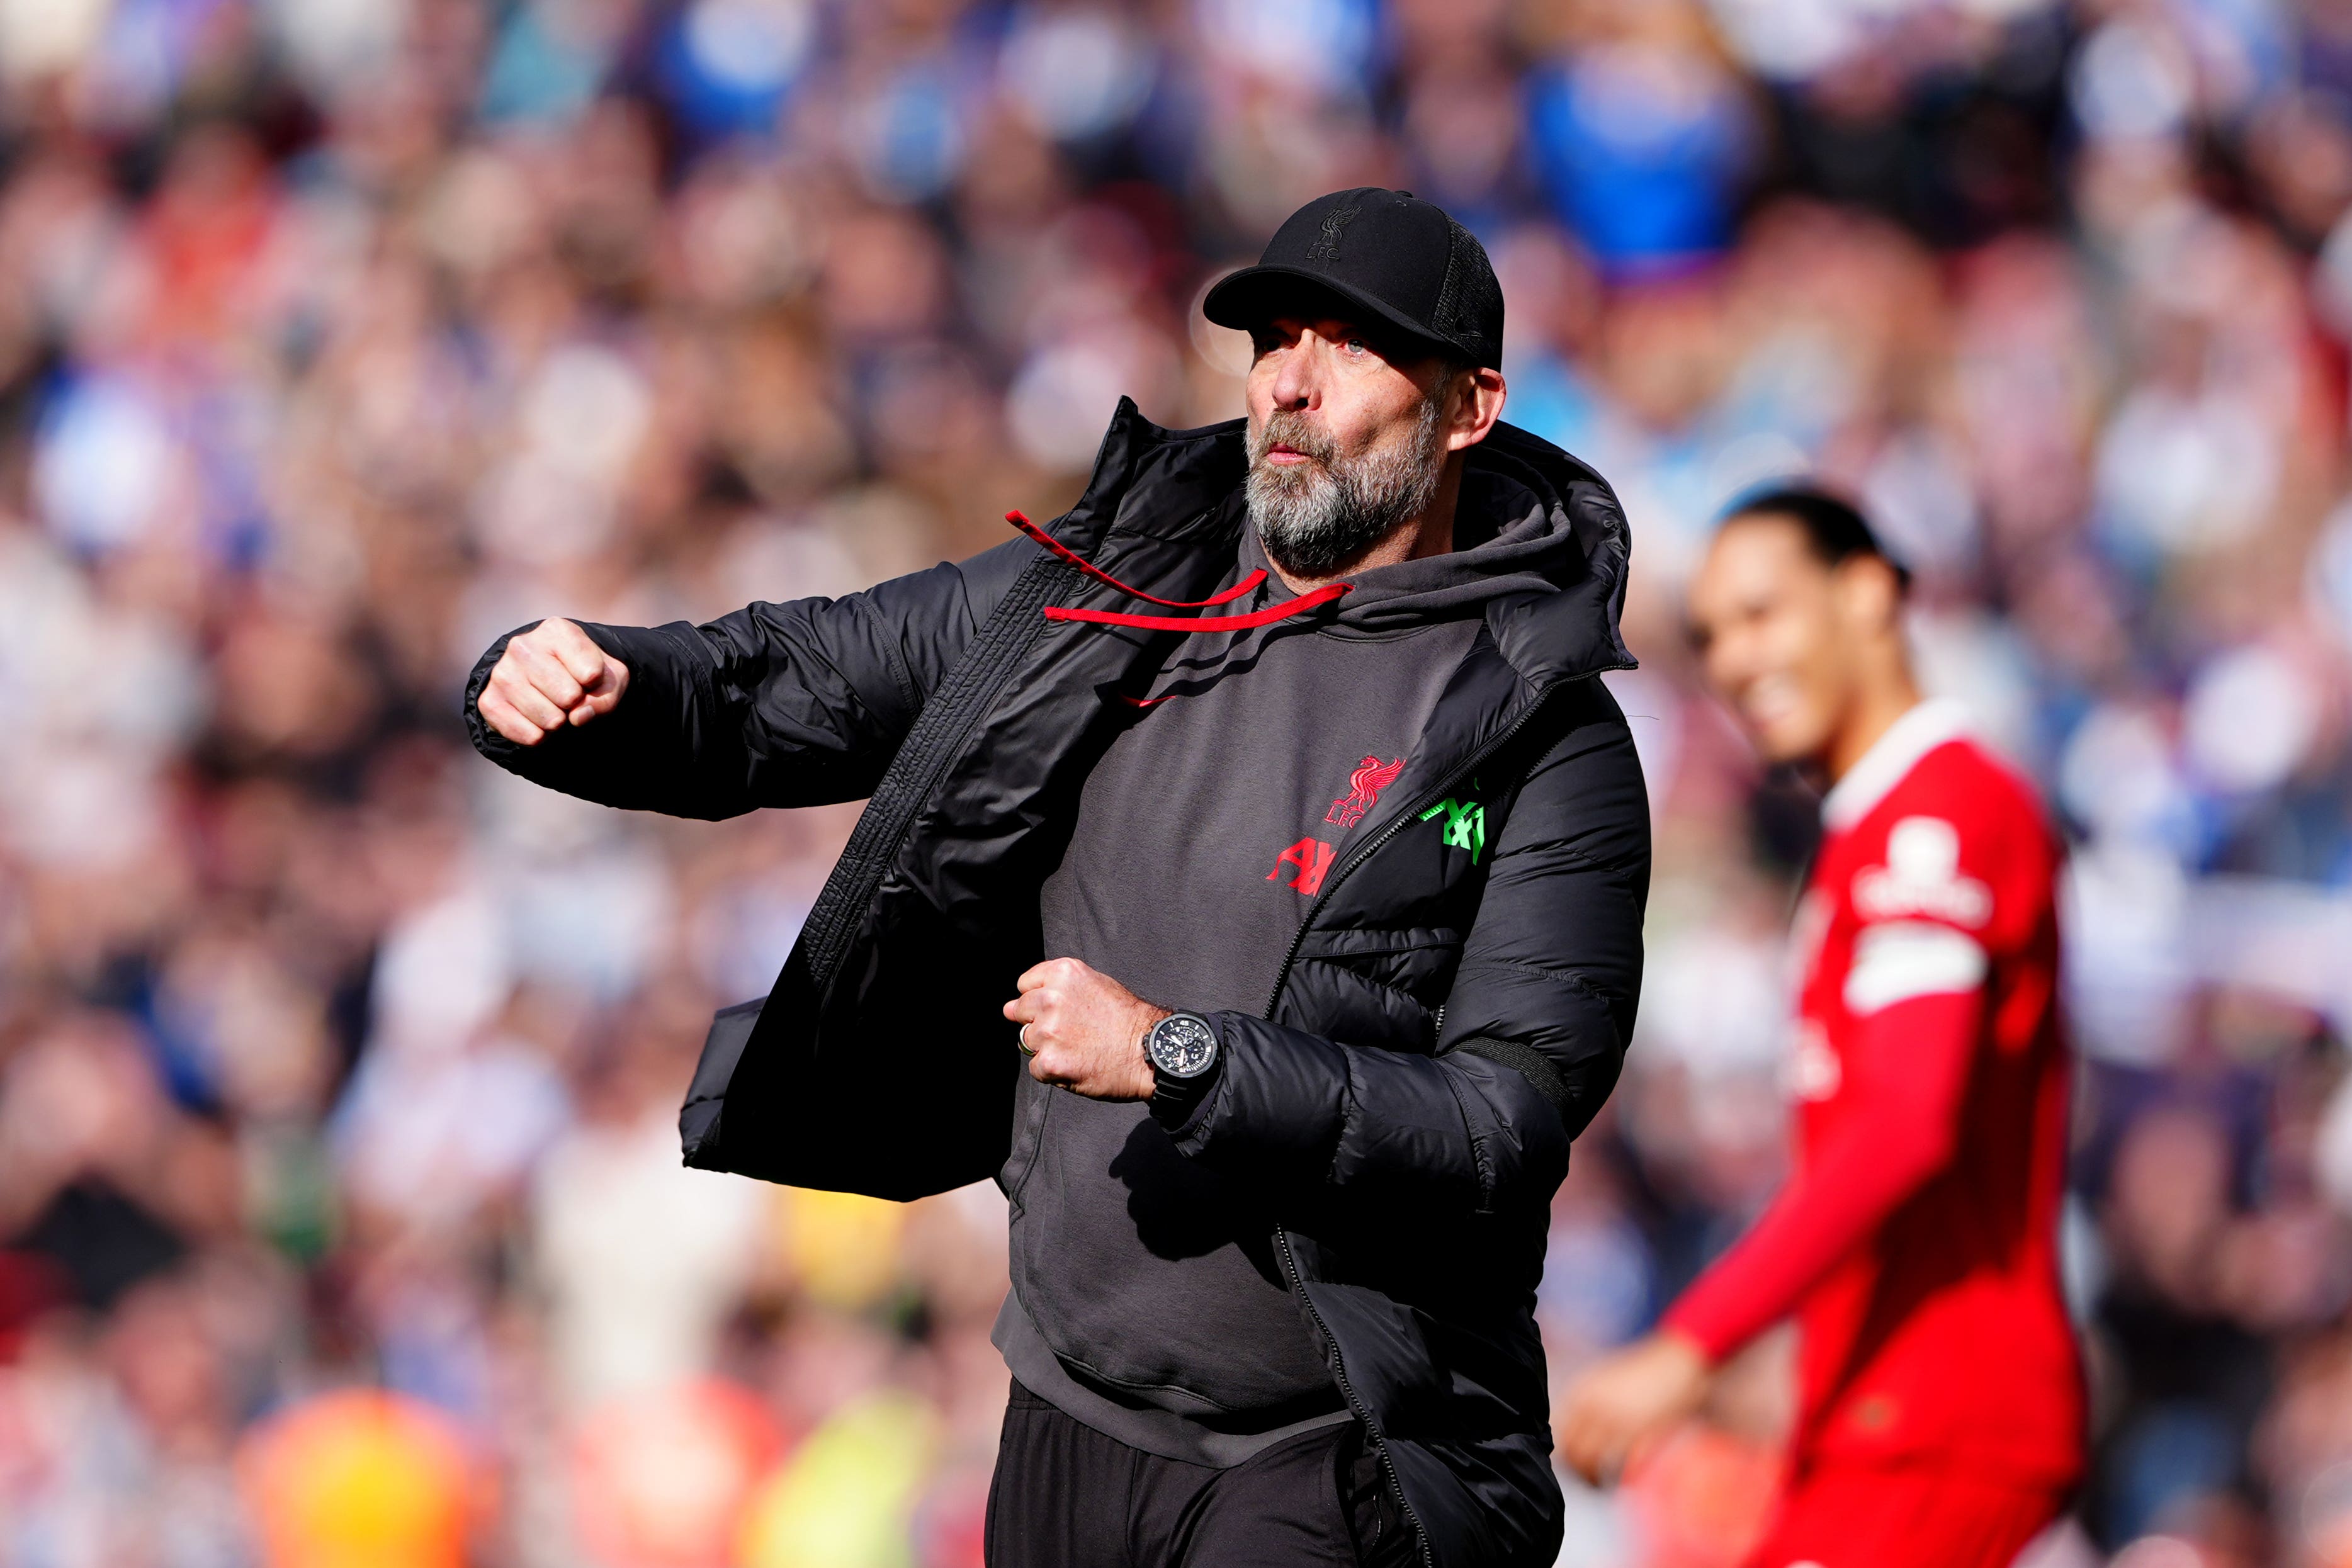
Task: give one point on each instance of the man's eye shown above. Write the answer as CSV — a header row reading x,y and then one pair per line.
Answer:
x,y
1358,346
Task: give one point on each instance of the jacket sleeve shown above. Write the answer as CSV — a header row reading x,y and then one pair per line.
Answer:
x,y
797,704
1535,1030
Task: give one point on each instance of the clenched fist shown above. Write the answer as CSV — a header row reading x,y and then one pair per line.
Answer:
x,y
550,676
1084,1030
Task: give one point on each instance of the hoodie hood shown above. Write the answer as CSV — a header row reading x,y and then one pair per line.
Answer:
x,y
1509,542
1542,545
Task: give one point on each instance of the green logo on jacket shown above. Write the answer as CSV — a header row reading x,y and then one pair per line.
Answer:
x,y
1465,825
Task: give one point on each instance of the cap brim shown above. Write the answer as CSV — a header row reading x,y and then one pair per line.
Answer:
x,y
1256,295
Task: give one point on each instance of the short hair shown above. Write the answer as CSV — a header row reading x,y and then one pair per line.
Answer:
x,y
1835,528
1452,365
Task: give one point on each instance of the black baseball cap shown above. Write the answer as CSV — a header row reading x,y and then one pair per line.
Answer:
x,y
1385,254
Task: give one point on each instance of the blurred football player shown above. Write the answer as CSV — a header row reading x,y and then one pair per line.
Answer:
x,y
1940,1407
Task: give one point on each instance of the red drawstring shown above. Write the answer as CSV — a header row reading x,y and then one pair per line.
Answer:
x,y
1019,521
1266,616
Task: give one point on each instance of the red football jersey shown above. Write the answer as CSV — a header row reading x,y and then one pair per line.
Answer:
x,y
1917,1237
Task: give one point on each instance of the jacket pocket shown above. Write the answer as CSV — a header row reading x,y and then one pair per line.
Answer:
x,y
1033,1101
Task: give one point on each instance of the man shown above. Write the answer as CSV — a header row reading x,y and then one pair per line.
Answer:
x,y
1266,811
1940,1408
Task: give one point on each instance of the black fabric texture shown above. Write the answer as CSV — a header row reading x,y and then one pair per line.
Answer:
x,y
1406,1184
1066,1496
1532,1065
1383,256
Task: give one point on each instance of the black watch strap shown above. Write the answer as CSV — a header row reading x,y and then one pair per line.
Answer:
x,y
1175,1099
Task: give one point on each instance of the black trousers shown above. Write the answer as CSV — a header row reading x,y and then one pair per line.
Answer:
x,y
1066,1496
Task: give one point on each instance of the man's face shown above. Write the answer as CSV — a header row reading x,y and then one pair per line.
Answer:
x,y
1778,630
1346,444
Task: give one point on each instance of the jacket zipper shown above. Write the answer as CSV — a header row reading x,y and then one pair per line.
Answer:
x,y
832,924
1348,1392
1362,853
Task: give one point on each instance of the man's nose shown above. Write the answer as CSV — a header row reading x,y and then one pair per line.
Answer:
x,y
1295,380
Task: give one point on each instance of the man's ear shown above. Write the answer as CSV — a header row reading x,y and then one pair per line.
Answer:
x,y
1869,594
1473,404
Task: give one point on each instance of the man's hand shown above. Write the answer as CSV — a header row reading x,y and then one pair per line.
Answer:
x,y
1084,1029
550,676
1626,1401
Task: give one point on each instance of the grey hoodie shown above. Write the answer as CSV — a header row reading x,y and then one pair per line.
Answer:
x,y
1146,1299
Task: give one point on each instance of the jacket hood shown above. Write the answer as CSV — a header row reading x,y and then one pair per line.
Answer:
x,y
1509,541
1542,541
1554,517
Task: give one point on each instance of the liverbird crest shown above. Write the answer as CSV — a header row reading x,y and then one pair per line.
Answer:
x,y
1364,786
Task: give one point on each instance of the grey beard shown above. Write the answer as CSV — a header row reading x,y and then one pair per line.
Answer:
x,y
1315,518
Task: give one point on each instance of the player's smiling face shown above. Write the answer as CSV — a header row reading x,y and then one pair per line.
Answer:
x,y
1776,632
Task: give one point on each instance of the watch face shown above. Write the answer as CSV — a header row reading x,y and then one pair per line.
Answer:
x,y
1181,1046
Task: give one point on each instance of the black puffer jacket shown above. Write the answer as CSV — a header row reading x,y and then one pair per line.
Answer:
x,y
1444,1024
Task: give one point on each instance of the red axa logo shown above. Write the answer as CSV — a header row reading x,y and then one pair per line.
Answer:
x,y
1364,786
1309,858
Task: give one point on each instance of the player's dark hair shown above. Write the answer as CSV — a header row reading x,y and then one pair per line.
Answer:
x,y
1835,528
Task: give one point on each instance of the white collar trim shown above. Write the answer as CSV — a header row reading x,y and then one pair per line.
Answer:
x,y
1890,759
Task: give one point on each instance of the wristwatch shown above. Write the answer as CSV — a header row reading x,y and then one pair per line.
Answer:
x,y
1181,1045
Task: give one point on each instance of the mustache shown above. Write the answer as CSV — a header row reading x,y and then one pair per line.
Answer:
x,y
1297,432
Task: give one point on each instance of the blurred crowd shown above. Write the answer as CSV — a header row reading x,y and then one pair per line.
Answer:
x,y
340,1217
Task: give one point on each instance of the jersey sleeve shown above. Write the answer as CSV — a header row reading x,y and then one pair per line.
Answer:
x,y
1909,1074
1960,880
1963,866
1902,960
